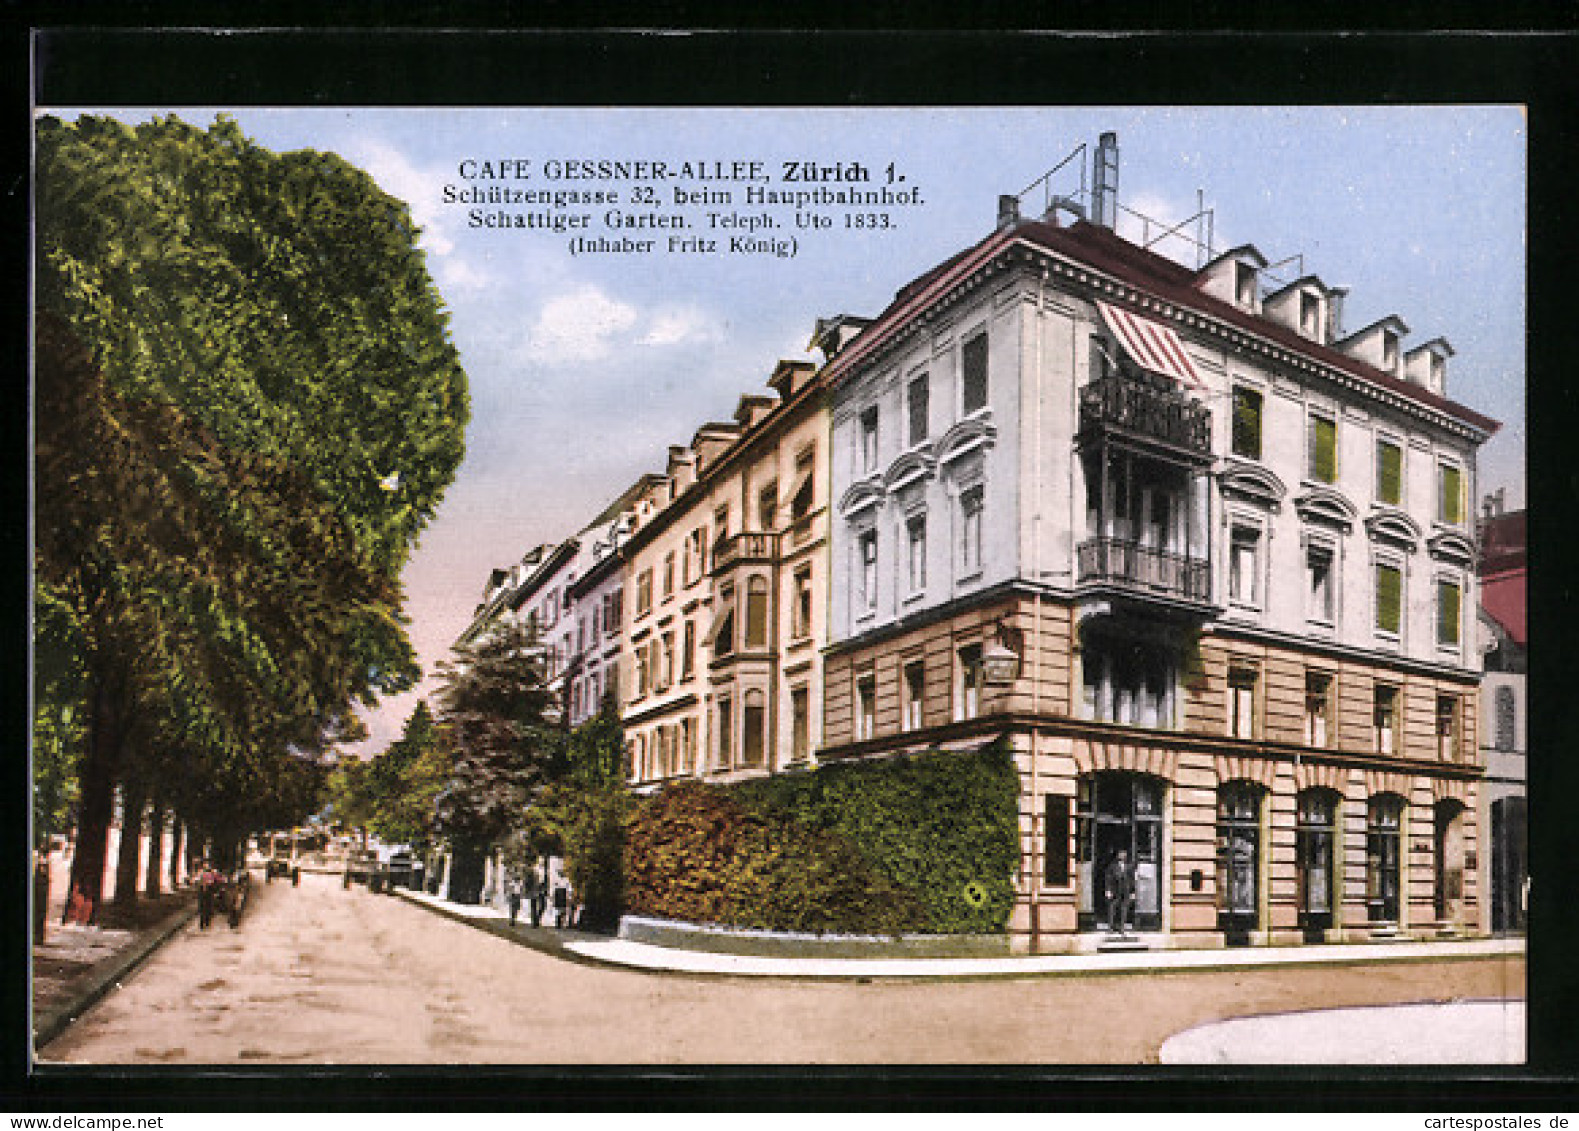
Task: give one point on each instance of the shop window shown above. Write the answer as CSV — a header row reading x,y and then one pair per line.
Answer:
x,y
1315,859
973,385
1383,862
1384,719
1247,422
1318,709
1389,473
1322,463
1238,859
915,693
1119,812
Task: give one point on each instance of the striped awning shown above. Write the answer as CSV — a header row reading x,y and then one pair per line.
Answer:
x,y
1151,345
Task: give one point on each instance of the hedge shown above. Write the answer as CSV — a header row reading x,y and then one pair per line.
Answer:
x,y
926,843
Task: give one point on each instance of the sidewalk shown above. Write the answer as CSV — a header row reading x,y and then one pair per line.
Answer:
x,y
644,956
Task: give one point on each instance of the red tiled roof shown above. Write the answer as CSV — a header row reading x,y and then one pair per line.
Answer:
x,y
1502,596
1502,541
1113,255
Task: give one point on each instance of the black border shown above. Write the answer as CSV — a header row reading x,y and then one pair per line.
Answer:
x,y
433,62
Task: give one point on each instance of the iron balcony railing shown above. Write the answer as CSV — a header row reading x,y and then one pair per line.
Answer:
x,y
745,547
1158,414
1125,562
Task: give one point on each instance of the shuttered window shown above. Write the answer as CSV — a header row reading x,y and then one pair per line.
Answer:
x,y
1389,473
1323,449
1389,599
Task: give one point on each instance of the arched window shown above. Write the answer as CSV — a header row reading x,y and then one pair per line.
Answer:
x,y
1315,837
1384,820
1506,717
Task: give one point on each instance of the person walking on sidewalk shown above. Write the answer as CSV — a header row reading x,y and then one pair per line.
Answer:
x,y
207,894
512,896
561,906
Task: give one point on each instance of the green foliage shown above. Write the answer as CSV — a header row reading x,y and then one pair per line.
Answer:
x,y
924,844
59,711
594,839
695,852
932,824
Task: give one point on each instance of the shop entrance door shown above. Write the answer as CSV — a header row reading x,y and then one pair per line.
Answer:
x,y
1238,861
1120,811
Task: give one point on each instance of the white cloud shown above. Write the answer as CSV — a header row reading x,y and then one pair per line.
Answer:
x,y
680,326
580,325
419,188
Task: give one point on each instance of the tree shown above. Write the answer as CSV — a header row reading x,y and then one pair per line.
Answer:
x,y
501,723
239,352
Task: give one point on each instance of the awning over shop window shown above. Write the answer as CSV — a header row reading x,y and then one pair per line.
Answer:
x,y
1151,345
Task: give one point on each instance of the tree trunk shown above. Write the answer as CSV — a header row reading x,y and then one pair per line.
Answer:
x,y
96,790
175,852
155,847
133,802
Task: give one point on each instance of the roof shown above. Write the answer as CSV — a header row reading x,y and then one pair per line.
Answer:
x,y
1098,248
1502,542
1503,597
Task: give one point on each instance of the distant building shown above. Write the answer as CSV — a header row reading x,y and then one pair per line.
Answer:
x,y
1198,556
1504,711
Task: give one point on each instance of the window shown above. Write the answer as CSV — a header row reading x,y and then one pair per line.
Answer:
x,y
1242,701
666,662
1389,599
1323,455
1389,350
869,439
1318,709
1247,422
1127,681
915,693
1383,829
1244,565
801,626
644,592
1447,728
754,720
668,575
1245,285
1450,494
694,543
970,503
1309,314
1315,836
724,626
611,623
866,547
972,678
916,539
1389,473
1448,616
726,732
1384,719
756,613
916,408
641,670
687,755
1319,584
1506,710
805,473
800,724
973,384
767,505
865,707
688,650
655,665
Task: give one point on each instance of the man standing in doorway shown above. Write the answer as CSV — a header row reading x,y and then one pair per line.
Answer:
x,y
1119,885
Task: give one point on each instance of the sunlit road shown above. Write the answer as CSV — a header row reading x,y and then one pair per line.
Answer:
x,y
318,974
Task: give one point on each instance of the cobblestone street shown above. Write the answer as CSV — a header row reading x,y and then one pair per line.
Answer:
x,y
322,975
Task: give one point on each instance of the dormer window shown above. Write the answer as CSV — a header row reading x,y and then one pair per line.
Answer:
x,y
1309,315
1389,351
1438,373
1245,285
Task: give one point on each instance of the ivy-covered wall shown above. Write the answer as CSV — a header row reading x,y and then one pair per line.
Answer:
x,y
922,844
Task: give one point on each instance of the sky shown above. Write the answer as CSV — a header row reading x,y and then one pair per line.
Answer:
x,y
584,367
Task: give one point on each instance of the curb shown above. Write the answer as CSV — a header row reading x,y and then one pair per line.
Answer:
x,y
53,1021
547,940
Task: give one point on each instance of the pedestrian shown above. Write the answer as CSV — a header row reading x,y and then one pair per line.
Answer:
x,y
207,893
1119,883
537,894
296,875
512,895
561,906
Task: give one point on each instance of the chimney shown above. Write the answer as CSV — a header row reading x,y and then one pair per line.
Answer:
x,y
1104,181
1008,211
1335,313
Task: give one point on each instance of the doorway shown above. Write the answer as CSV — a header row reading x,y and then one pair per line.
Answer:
x,y
1120,811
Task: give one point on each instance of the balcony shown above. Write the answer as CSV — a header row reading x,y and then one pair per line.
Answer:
x,y
1142,569
739,549
1161,416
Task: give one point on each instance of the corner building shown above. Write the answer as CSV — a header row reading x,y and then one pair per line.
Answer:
x,y
1199,557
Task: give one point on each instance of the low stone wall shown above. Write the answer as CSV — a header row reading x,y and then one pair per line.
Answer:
x,y
788,944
